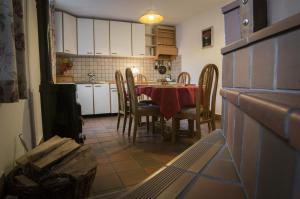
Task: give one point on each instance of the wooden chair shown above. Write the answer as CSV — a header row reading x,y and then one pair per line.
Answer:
x,y
140,79
204,112
184,78
138,110
122,99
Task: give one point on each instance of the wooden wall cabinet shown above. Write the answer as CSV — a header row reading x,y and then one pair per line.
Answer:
x,y
101,35
85,31
59,31
120,38
69,34
138,39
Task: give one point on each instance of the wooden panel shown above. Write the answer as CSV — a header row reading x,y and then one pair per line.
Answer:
x,y
69,34
138,39
120,38
166,50
59,31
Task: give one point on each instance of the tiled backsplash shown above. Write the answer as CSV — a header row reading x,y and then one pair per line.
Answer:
x,y
105,67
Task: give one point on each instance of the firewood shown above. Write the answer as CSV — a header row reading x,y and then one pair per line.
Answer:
x,y
25,181
55,155
41,150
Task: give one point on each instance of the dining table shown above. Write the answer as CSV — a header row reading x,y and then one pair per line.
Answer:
x,y
172,98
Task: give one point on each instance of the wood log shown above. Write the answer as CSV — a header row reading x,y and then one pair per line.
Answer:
x,y
55,155
41,150
25,181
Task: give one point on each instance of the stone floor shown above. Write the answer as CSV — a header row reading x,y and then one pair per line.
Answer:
x,y
121,165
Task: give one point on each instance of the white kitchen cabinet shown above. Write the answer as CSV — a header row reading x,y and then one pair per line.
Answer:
x,y
101,35
120,38
69,34
101,99
138,39
85,33
114,99
85,98
59,31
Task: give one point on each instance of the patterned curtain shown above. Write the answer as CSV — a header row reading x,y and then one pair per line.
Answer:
x,y
13,84
51,40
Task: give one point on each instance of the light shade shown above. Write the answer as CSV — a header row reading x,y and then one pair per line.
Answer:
x,y
151,17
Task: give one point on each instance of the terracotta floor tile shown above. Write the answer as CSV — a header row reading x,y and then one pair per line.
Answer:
x,y
105,169
107,182
126,165
122,164
132,177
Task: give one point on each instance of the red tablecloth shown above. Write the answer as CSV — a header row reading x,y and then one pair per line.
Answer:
x,y
171,99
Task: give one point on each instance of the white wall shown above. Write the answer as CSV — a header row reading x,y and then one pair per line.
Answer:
x,y
15,117
194,58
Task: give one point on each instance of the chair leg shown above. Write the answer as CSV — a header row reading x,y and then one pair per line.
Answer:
x,y
119,118
124,123
213,124
153,124
130,124
136,120
175,126
191,127
147,120
162,125
198,127
209,126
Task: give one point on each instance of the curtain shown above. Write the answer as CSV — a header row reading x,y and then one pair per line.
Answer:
x,y
13,84
51,40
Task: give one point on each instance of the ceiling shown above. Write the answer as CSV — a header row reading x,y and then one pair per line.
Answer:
x,y
174,11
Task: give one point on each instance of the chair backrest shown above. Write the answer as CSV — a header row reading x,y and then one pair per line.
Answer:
x,y
140,79
121,90
131,90
184,78
208,83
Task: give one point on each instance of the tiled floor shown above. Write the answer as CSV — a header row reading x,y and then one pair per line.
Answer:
x,y
121,164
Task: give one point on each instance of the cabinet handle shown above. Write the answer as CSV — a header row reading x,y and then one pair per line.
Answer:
x,y
99,53
89,53
88,86
67,50
142,54
114,53
97,86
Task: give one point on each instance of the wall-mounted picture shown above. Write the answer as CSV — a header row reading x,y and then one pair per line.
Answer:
x,y
207,37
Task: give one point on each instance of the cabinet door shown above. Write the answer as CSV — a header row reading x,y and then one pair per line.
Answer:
x,y
120,38
101,98
114,100
85,31
85,98
70,34
59,31
138,39
101,33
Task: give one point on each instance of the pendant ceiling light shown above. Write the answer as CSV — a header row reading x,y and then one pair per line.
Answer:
x,y
151,16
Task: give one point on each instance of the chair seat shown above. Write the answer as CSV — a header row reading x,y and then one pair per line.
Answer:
x,y
148,109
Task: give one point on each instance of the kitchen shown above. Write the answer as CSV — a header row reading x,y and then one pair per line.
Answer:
x,y
149,99
93,49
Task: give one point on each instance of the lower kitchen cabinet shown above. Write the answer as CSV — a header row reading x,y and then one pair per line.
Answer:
x,y
85,98
113,99
93,98
101,99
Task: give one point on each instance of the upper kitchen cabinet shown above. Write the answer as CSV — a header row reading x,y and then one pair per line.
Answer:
x,y
138,39
101,35
85,31
59,32
69,34
120,38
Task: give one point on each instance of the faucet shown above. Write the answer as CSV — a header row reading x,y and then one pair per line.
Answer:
x,y
92,77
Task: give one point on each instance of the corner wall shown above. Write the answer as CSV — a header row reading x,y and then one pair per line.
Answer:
x,y
15,117
189,44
